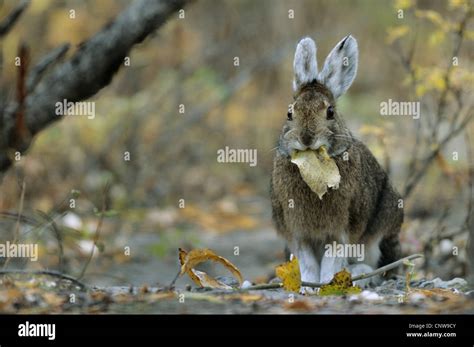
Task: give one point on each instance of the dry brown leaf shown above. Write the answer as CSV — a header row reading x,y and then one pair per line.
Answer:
x,y
446,294
122,298
289,273
160,296
300,306
196,256
10,296
245,297
182,259
207,281
53,299
100,296
317,169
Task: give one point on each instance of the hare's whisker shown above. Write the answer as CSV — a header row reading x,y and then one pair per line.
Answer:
x,y
273,149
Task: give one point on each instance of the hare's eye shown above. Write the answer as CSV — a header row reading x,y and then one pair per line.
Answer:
x,y
289,115
330,112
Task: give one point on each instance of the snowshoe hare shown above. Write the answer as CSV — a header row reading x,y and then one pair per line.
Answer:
x,y
364,210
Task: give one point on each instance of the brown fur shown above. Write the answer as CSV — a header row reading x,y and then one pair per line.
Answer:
x,y
363,208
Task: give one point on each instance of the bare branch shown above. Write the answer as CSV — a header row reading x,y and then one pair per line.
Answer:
x,y
447,76
417,168
7,24
425,163
90,69
50,59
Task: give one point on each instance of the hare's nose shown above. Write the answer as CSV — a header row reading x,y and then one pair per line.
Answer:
x,y
307,138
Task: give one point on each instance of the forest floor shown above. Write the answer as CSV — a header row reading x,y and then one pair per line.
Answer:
x,y
260,253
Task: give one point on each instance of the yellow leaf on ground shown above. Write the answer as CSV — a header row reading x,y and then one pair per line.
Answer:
x,y
317,169
190,260
289,273
341,284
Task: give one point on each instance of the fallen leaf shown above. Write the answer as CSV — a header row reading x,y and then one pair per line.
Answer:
x,y
122,298
246,297
196,256
53,299
300,306
204,280
289,273
144,289
341,284
317,169
436,293
100,296
160,296
205,297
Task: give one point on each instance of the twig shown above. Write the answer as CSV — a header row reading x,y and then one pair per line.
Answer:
x,y
47,273
264,286
356,278
171,285
447,77
388,267
469,221
57,234
426,163
16,236
97,231
407,64
21,136
470,174
10,20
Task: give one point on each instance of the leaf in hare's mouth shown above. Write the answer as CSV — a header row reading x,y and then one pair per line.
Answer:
x,y
317,169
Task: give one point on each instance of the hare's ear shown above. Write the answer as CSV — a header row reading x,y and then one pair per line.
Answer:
x,y
305,64
340,67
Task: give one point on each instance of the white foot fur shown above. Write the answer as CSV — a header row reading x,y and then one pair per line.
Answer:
x,y
330,266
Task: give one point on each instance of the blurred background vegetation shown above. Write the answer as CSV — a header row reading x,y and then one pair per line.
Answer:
x,y
190,62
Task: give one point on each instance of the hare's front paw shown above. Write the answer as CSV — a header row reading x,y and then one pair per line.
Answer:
x,y
330,266
308,290
309,273
309,268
